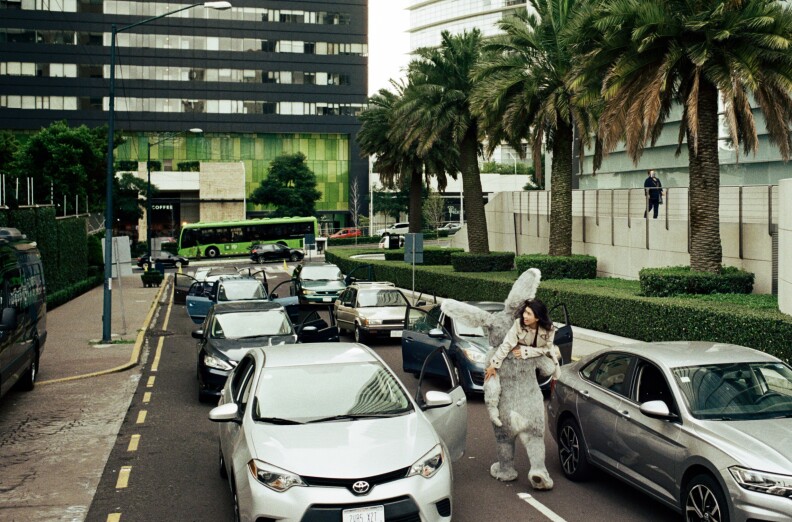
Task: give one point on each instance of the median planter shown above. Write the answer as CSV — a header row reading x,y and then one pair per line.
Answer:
x,y
151,278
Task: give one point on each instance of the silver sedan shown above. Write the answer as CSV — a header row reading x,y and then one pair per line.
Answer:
x,y
326,431
705,428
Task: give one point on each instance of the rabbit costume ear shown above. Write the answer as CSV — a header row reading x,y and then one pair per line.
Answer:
x,y
466,314
524,288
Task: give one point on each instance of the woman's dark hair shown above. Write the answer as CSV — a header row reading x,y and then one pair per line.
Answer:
x,y
540,312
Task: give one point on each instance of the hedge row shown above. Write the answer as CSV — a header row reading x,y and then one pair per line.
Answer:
x,y
616,311
367,240
559,267
492,262
431,255
675,280
64,295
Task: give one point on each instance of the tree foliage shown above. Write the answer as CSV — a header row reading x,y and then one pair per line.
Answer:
x,y
290,186
66,161
129,193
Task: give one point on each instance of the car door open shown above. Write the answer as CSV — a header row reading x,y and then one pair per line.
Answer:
x,y
181,286
315,329
446,408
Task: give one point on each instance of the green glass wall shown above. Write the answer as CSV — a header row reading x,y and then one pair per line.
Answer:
x,y
327,156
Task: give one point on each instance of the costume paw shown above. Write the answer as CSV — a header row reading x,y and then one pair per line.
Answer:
x,y
540,480
504,476
494,419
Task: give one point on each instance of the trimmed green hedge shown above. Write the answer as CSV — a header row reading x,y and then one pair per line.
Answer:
x,y
674,280
615,309
492,262
432,255
559,267
65,295
360,240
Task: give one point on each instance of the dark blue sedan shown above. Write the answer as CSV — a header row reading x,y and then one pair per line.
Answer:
x,y
426,329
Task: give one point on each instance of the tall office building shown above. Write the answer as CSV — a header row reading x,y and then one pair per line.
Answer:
x,y
263,78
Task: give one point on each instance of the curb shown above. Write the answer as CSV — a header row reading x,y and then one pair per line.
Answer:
x,y
135,357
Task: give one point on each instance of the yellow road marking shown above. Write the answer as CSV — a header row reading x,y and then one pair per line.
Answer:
x,y
150,383
114,517
146,397
133,443
141,417
123,477
167,314
155,364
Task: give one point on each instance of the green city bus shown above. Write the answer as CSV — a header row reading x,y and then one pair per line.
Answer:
x,y
234,238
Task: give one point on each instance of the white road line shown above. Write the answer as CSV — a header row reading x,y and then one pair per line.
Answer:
x,y
541,508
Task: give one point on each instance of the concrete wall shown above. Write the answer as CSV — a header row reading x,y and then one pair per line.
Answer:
x,y
222,191
609,225
785,248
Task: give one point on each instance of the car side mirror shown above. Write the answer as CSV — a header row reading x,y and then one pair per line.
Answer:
x,y
436,333
420,303
310,329
9,319
197,334
657,410
274,295
225,413
437,399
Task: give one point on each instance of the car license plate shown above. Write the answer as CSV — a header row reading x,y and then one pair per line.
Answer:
x,y
396,333
366,514
327,299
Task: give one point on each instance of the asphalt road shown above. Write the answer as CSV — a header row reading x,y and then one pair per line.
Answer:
x,y
164,465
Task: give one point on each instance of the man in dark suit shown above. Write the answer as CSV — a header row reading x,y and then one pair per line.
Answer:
x,y
654,193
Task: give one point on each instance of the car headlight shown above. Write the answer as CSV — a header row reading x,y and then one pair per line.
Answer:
x,y
428,465
274,478
305,291
369,322
762,481
213,362
474,355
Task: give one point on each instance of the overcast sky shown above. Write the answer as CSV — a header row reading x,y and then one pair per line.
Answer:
x,y
389,42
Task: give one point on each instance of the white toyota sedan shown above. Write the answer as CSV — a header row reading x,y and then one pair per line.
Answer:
x,y
326,431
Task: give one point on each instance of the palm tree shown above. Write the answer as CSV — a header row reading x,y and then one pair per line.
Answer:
x,y
523,92
653,54
397,163
436,110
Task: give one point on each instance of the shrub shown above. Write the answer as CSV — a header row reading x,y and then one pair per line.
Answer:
x,y
95,256
674,280
432,255
126,165
559,267
492,262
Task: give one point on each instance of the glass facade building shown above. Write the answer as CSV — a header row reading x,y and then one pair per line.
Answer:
x,y
261,79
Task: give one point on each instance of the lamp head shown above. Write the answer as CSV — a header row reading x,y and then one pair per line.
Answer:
x,y
220,6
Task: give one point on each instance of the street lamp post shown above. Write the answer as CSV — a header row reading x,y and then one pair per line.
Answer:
x,y
108,257
148,185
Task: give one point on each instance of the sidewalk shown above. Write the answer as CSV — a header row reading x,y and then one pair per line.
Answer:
x,y
70,423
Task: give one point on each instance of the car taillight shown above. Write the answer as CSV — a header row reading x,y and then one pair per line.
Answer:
x,y
552,385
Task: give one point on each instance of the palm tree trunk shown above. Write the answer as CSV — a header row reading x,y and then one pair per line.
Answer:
x,y
478,240
415,201
561,192
706,253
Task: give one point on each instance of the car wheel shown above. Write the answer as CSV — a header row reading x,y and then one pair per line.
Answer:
x,y
223,472
204,397
212,252
295,257
572,451
28,380
360,335
704,500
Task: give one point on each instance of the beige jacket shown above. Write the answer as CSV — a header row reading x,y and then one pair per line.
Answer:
x,y
517,336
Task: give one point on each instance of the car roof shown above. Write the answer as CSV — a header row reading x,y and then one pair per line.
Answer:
x,y
227,307
310,354
372,284
487,306
693,353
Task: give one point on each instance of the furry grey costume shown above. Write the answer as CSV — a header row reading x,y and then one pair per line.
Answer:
x,y
521,406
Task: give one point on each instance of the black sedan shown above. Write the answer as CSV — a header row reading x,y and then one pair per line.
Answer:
x,y
232,328
165,258
274,252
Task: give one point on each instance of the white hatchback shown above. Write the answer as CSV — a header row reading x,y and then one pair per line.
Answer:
x,y
327,430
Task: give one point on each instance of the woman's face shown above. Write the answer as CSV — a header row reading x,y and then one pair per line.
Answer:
x,y
529,319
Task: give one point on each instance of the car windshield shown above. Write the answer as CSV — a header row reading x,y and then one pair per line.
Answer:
x,y
737,391
309,393
241,290
464,330
374,298
320,273
257,323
